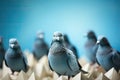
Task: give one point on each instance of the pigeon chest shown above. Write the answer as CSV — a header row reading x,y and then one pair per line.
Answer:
x,y
105,60
15,63
58,63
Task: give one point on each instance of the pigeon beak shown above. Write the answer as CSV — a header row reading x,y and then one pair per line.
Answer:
x,y
97,42
12,45
41,36
58,38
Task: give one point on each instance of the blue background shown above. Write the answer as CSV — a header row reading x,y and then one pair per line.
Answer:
x,y
23,18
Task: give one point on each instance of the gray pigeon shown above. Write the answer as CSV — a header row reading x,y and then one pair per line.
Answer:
x,y
14,58
40,46
2,52
106,56
91,47
62,60
70,46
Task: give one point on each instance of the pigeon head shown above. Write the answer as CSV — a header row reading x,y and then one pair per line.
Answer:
x,y
91,35
58,36
40,34
102,41
13,43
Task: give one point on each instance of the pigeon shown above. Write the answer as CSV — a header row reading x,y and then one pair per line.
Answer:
x,y
91,47
14,58
2,52
61,59
40,46
106,56
70,46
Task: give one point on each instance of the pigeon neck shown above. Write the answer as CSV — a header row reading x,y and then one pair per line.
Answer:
x,y
41,39
58,42
105,45
104,50
57,48
16,48
15,53
92,39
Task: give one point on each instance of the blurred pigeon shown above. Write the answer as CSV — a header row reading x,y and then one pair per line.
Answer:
x,y
70,46
106,56
40,46
91,47
62,60
14,58
2,52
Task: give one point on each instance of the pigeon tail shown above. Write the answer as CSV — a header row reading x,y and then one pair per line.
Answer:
x,y
84,72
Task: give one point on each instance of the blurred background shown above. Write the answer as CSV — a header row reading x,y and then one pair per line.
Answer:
x,y
23,18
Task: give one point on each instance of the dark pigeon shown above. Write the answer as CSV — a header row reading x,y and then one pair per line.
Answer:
x,y
14,58
106,56
40,46
91,47
2,52
62,60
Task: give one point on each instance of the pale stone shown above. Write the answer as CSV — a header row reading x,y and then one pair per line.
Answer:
x,y
82,61
13,77
62,78
22,76
32,77
42,68
31,61
100,69
112,74
48,78
93,75
77,77
55,76
83,77
101,77
29,72
6,77
80,76
1,73
6,70
86,67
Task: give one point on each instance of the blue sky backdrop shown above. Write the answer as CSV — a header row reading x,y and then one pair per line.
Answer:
x,y
23,18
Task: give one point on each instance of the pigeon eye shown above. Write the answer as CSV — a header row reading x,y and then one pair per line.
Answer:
x,y
15,43
60,35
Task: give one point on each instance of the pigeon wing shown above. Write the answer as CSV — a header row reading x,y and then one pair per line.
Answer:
x,y
75,51
50,66
25,62
72,61
116,58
